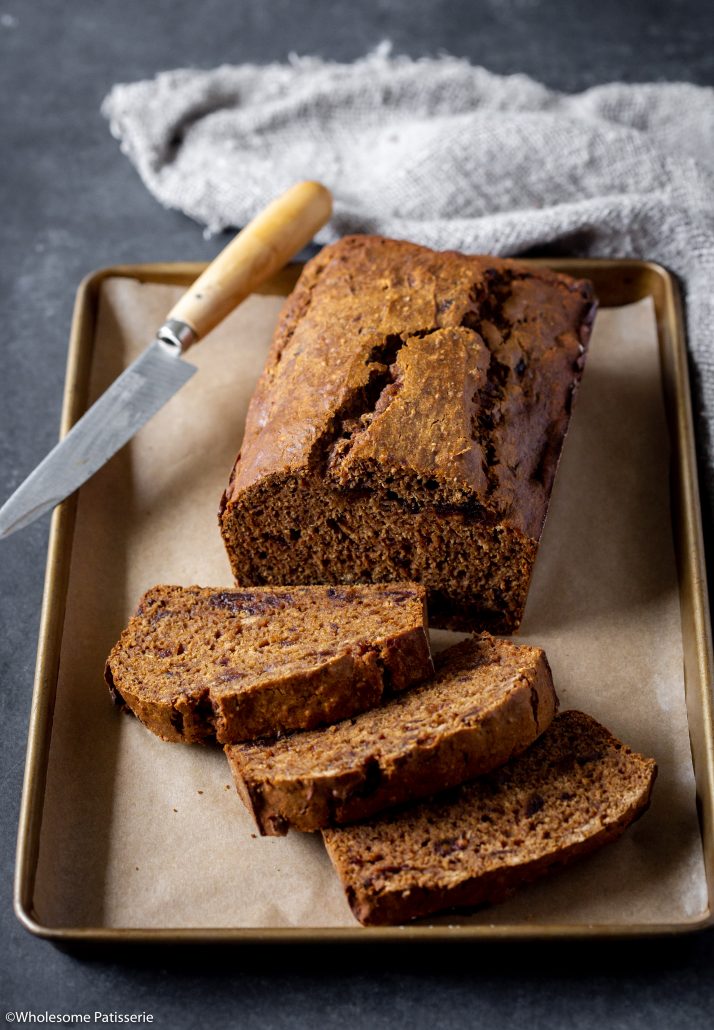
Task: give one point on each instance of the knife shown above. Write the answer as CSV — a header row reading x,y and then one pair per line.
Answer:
x,y
257,252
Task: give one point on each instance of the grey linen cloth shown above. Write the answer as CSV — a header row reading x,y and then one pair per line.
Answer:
x,y
449,155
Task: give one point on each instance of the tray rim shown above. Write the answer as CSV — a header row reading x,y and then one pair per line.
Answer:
x,y
699,663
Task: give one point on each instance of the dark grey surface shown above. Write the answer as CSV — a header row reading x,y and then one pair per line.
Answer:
x,y
71,203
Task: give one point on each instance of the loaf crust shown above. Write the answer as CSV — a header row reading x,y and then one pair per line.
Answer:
x,y
574,790
408,426
197,664
489,700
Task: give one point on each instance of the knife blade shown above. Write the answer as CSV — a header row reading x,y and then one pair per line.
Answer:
x,y
132,399
256,253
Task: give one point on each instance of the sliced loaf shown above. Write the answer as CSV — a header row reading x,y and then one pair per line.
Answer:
x,y
197,663
408,426
489,700
576,789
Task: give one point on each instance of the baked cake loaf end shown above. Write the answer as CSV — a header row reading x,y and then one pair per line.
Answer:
x,y
408,426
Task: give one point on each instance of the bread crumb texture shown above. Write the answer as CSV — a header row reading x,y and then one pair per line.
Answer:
x,y
489,700
408,426
574,790
197,663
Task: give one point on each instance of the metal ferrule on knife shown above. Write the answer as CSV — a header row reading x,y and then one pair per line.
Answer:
x,y
177,336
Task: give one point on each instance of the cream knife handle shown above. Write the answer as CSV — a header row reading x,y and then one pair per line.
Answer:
x,y
257,252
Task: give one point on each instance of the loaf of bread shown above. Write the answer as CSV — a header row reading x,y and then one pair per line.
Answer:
x,y
489,700
408,426
196,663
574,790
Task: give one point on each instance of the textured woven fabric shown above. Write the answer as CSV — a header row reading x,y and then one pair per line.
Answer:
x,y
450,155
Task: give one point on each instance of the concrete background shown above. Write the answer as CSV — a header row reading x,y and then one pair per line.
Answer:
x,y
71,203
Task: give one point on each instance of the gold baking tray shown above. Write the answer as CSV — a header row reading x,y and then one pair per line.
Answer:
x,y
617,282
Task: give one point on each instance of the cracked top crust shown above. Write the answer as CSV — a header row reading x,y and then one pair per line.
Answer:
x,y
448,373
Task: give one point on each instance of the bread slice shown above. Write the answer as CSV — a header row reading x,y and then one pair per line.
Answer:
x,y
576,789
197,663
489,700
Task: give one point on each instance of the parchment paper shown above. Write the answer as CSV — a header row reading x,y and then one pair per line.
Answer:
x,y
140,833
